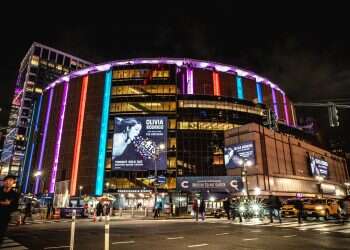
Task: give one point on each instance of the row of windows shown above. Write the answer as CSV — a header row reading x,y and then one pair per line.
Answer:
x,y
144,90
220,105
220,126
142,107
140,74
171,124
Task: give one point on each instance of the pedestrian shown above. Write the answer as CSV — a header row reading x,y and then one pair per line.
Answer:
x,y
157,209
27,210
299,205
8,203
49,209
202,209
227,205
345,208
275,205
195,209
99,210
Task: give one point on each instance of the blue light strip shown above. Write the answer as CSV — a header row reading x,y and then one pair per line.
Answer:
x,y
259,92
103,135
28,165
239,84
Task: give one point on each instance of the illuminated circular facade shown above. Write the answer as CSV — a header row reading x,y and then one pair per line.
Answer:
x,y
105,124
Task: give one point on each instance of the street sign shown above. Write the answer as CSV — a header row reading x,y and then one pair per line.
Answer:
x,y
161,179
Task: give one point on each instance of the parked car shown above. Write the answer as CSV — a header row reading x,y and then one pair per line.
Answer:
x,y
289,208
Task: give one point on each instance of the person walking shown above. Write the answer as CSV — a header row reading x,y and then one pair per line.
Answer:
x,y
275,205
27,211
202,209
227,206
99,211
299,205
195,209
8,203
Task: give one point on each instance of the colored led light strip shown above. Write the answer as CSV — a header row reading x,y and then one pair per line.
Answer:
x,y
58,138
43,141
36,113
183,84
285,109
239,84
274,102
103,135
259,92
77,144
189,81
216,84
293,114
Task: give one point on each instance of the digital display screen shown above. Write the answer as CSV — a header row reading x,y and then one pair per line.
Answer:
x,y
236,154
137,143
318,167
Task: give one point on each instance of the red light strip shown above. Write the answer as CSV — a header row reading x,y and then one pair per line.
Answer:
x,y
79,131
216,82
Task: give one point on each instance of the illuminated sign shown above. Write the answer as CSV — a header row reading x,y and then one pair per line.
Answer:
x,y
236,154
318,167
140,74
212,183
137,143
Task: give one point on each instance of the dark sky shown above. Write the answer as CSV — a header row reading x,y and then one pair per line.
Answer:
x,y
309,66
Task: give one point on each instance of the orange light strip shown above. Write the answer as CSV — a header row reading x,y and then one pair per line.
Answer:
x,y
79,131
216,84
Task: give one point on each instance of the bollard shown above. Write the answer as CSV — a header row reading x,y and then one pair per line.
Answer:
x,y
120,212
146,212
107,232
72,230
132,212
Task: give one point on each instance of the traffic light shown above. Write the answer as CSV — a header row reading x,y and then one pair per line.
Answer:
x,y
269,119
333,115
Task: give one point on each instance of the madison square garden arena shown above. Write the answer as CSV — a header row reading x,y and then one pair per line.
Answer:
x,y
175,127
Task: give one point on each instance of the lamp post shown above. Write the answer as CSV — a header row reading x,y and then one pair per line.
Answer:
x,y
37,174
159,149
107,186
244,163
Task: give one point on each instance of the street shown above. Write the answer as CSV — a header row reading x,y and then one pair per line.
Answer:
x,y
182,234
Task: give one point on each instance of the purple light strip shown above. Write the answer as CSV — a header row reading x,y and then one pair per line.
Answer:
x,y
178,61
285,109
43,142
189,81
59,137
274,102
183,84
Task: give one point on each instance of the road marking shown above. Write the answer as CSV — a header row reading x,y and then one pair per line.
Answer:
x,y
124,242
175,238
334,228
324,232
250,239
255,231
289,236
198,245
342,231
57,247
222,234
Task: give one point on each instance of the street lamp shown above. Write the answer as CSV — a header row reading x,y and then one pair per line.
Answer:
x,y
107,186
37,175
159,149
244,163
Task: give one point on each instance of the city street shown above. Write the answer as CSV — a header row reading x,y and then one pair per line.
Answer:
x,y
182,234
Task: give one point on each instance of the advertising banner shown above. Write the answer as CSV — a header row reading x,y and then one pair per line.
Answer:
x,y
137,143
318,167
237,153
212,183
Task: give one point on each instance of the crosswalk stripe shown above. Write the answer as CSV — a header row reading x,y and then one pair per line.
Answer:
x,y
333,228
11,244
314,226
344,231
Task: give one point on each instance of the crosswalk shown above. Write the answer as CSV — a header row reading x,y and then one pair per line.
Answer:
x,y
9,244
319,226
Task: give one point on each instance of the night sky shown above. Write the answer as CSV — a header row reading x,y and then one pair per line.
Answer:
x,y
309,66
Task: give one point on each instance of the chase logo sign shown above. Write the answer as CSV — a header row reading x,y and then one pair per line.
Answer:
x,y
212,183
